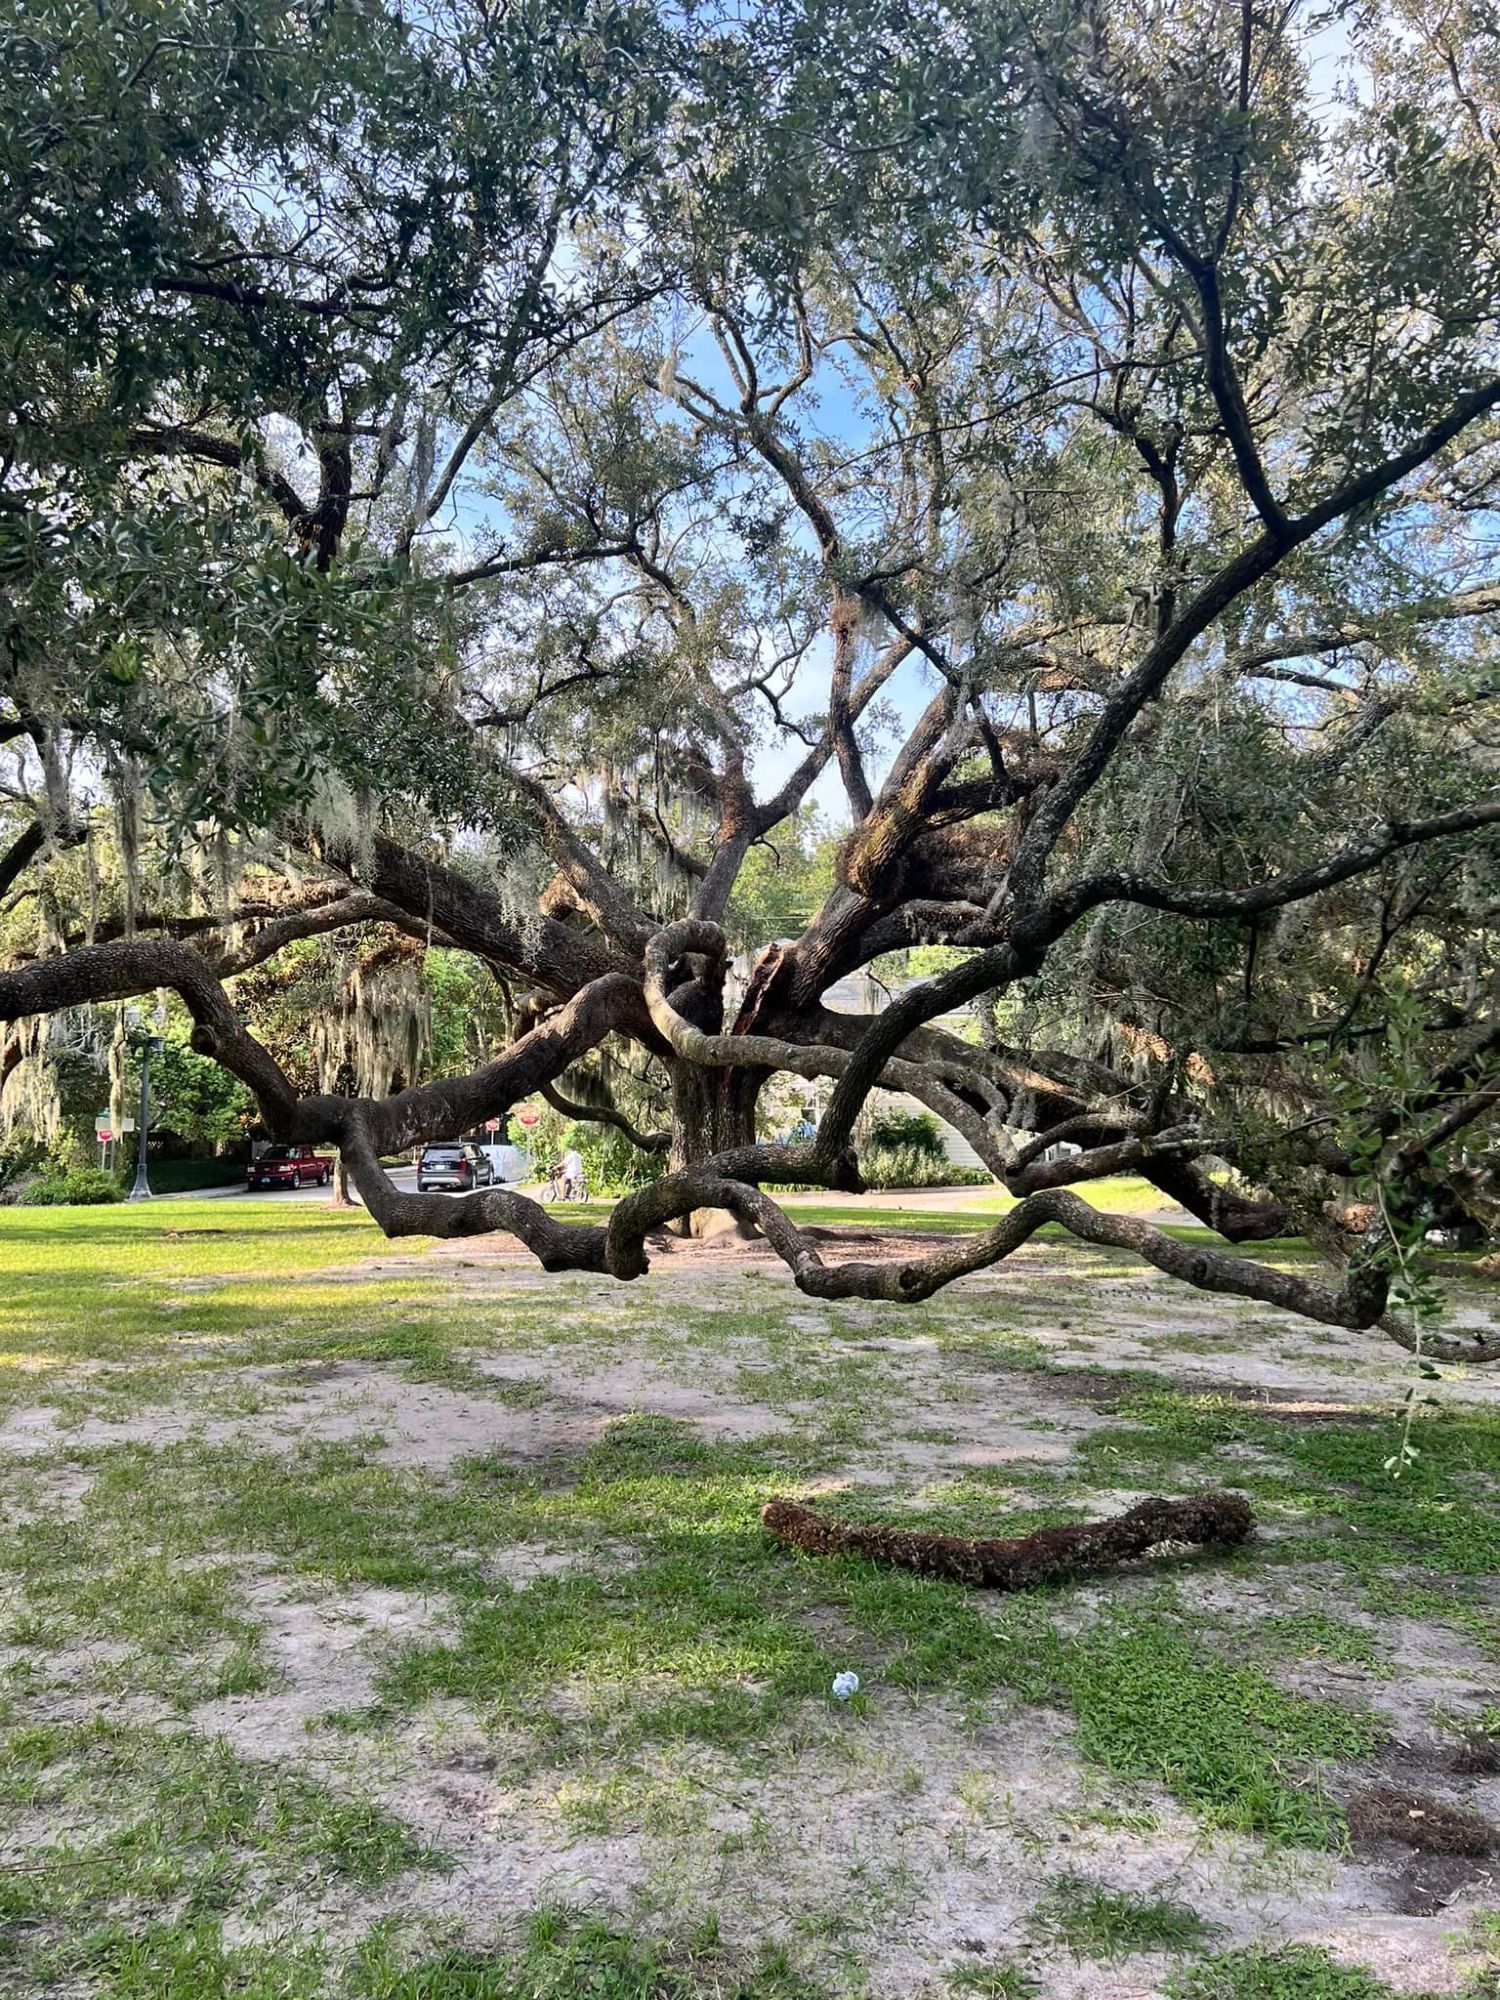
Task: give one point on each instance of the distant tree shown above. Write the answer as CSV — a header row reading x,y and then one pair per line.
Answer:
x,y
783,883
195,1098
476,480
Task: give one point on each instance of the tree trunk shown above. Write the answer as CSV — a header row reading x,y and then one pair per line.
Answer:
x,y
341,1195
712,1111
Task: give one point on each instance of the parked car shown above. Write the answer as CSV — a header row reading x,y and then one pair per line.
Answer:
x,y
459,1165
290,1166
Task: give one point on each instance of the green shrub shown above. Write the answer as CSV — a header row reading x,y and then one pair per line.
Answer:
x,y
611,1165
914,1167
21,1158
72,1187
914,1131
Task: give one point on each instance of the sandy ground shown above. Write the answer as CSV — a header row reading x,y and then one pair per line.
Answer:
x,y
923,1830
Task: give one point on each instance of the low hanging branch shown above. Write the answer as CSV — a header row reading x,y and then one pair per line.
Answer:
x,y
606,1114
1018,1563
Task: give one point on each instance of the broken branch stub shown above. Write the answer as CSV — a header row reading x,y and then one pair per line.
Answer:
x,y
1021,1561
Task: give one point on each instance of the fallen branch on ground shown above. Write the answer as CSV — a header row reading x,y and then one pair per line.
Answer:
x,y
1021,1561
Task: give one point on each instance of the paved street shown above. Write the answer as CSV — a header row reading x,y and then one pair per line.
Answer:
x,y
405,1178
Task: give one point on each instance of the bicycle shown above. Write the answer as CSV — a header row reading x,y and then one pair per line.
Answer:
x,y
563,1187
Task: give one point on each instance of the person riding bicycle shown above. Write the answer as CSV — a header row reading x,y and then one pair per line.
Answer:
x,y
570,1173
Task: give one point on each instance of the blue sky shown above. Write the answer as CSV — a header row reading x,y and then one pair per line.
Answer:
x,y
474,519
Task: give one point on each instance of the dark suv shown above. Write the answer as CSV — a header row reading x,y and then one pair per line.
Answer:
x,y
460,1166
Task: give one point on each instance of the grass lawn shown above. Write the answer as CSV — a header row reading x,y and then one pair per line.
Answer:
x,y
1118,1194
393,1620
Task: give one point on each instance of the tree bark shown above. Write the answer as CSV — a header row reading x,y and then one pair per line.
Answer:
x,y
713,1111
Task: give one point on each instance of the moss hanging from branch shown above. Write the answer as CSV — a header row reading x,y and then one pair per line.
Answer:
x,y
29,1102
378,1028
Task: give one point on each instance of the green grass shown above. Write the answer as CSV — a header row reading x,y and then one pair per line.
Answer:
x,y
1092,1921
163,1629
563,1956
1118,1194
85,1284
993,1982
1154,1702
161,1285
1298,1972
154,1833
1422,1545
695,1626
680,1648
809,1211
1313,1635
568,1956
674,1645
182,1238
192,1961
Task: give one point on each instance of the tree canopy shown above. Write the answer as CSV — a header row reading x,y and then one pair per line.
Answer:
x,y
482,481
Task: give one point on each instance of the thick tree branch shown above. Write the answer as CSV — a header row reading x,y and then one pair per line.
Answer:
x,y
623,924
94,974
22,851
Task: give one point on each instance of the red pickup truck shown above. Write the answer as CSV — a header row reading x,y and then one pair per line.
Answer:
x,y
289,1166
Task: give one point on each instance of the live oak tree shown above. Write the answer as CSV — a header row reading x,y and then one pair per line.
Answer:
x,y
479,481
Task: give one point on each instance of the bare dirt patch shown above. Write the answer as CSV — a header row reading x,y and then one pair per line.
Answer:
x,y
325,1654
922,1845
1386,1813
915,1833
406,1422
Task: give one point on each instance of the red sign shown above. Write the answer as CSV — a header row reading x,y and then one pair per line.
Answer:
x,y
528,1116
492,1124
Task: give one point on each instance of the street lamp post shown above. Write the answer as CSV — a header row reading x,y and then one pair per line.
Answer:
x,y
149,1046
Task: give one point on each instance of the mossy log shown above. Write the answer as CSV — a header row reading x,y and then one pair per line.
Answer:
x,y
1021,1561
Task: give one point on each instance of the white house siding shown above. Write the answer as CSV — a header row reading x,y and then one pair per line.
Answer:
x,y
958,1149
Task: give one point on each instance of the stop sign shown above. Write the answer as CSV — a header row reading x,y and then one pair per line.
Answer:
x,y
528,1115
